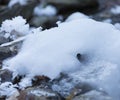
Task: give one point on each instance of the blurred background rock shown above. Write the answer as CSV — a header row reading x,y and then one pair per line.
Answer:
x,y
57,10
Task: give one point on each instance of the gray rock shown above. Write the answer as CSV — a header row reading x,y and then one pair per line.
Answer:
x,y
93,95
14,96
44,21
6,52
36,93
5,75
73,5
26,11
9,49
72,2
3,40
105,13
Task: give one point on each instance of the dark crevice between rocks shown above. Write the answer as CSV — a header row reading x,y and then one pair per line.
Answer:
x,y
38,80
3,97
17,79
4,2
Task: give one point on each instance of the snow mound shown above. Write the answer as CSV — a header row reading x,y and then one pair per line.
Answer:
x,y
75,16
15,27
53,51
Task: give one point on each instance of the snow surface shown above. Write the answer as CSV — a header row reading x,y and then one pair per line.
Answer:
x,y
48,10
25,82
75,16
7,89
15,27
107,21
53,51
13,2
117,25
116,10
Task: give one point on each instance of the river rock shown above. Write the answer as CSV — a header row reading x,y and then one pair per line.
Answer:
x,y
93,95
44,21
41,80
6,52
24,10
8,47
37,93
71,5
5,75
105,14
68,87
3,39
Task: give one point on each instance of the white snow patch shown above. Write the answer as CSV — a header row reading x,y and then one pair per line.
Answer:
x,y
75,16
35,30
48,10
13,2
25,82
116,10
107,21
15,27
117,25
7,89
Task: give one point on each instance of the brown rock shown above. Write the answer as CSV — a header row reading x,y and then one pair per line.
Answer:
x,y
36,93
93,95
